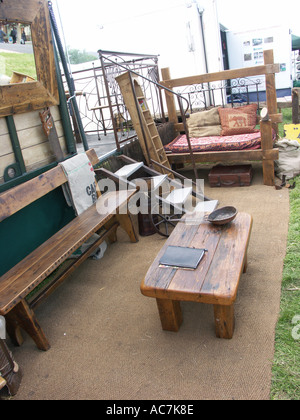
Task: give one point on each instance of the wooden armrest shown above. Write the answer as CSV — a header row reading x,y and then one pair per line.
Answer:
x,y
276,118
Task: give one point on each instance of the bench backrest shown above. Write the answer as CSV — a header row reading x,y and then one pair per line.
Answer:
x,y
201,83
31,213
21,196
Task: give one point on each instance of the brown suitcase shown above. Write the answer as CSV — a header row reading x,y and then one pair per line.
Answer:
x,y
230,176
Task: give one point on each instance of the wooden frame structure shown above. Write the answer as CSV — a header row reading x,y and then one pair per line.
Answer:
x,y
267,154
25,97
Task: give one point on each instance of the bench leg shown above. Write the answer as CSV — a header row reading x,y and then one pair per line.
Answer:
x,y
224,321
22,316
170,314
126,223
268,172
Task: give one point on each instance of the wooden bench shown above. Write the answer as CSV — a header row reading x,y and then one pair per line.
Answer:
x,y
23,278
216,279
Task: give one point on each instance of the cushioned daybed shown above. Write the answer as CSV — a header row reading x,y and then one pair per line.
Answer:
x,y
228,133
220,129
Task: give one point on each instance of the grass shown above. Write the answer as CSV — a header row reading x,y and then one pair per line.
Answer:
x,y
287,119
286,364
21,63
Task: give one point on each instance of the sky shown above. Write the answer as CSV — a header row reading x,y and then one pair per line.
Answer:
x,y
120,25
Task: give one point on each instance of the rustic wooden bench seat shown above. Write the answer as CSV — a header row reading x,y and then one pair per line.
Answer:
x,y
19,281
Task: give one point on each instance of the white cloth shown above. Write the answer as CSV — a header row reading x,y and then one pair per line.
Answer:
x,y
80,192
288,163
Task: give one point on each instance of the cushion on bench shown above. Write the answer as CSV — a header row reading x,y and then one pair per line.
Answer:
x,y
215,143
205,123
239,120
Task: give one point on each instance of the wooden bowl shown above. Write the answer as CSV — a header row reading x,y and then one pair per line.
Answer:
x,y
223,215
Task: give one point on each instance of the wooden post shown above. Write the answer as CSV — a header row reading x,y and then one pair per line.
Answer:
x,y
126,223
170,100
23,316
271,88
267,145
170,314
224,321
295,105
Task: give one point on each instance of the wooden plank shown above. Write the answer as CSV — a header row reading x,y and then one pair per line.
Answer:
x,y
23,316
47,290
158,279
234,156
33,136
190,282
224,321
222,75
33,96
24,10
271,89
270,84
170,99
92,155
2,382
34,144
21,196
29,96
170,314
38,155
5,161
276,118
5,145
143,122
295,105
222,279
126,90
3,127
267,144
32,119
128,170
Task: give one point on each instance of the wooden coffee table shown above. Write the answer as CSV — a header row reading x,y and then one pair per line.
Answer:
x,y
216,279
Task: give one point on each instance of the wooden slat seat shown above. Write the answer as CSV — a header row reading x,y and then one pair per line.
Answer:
x,y
102,218
25,276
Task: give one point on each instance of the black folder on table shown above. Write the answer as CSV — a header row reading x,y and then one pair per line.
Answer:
x,y
182,257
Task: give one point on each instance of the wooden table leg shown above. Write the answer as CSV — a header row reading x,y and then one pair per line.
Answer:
x,y
224,321
170,314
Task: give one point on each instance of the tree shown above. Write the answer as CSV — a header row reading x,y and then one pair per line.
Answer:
x,y
77,56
